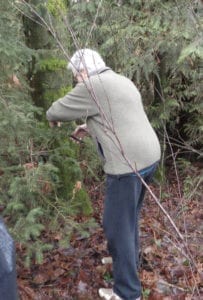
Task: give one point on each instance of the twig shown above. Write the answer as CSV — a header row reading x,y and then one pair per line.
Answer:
x,y
108,124
161,281
94,22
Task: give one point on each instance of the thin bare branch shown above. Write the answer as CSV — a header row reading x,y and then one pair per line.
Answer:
x,y
108,123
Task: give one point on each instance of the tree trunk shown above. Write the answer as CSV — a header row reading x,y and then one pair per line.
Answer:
x,y
47,73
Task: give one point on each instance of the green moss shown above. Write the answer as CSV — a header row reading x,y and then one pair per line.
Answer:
x,y
51,95
52,64
55,7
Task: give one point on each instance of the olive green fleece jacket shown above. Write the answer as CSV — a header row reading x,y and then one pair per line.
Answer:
x,y
112,108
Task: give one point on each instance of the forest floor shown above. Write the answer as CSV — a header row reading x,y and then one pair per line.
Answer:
x,y
170,270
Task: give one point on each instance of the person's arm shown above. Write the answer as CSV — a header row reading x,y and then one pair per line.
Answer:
x,y
76,104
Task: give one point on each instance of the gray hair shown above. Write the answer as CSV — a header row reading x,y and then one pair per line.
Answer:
x,y
88,60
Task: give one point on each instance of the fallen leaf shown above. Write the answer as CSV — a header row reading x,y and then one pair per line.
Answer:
x,y
57,273
41,278
82,287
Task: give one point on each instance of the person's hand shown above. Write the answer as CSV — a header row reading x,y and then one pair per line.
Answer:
x,y
54,124
80,132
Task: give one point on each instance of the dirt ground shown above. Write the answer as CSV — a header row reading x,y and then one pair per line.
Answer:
x,y
170,269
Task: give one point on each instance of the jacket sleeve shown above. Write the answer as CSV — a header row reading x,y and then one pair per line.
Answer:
x,y
76,104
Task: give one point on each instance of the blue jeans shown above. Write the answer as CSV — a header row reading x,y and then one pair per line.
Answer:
x,y
8,286
123,202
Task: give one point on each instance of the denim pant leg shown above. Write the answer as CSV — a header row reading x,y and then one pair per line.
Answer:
x,y
147,176
8,286
120,224
137,217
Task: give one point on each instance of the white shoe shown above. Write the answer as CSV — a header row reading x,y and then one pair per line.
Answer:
x,y
106,260
108,294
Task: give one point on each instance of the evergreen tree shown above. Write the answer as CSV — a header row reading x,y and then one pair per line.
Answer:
x,y
158,45
155,43
38,166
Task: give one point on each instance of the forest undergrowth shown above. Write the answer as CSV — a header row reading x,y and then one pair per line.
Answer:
x,y
76,272
157,44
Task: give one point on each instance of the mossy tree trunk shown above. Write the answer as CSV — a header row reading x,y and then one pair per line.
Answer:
x,y
50,80
48,75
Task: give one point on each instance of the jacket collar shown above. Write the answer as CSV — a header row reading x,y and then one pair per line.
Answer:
x,y
99,71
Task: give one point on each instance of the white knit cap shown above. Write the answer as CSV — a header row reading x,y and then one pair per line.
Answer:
x,y
86,59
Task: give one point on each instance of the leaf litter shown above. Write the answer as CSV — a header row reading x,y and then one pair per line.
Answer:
x,y
168,271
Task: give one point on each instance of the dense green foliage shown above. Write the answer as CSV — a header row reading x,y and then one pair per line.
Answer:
x,y
39,170
155,43
158,45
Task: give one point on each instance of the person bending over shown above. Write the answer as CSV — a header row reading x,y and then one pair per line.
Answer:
x,y
111,106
